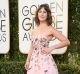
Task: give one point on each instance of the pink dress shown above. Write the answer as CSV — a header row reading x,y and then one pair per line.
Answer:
x,y
41,63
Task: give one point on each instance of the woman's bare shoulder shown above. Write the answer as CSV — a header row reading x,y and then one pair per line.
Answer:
x,y
52,28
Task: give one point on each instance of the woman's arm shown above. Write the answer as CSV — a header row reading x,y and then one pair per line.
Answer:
x,y
63,40
30,52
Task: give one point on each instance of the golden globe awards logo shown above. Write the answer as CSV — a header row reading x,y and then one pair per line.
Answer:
x,y
27,8
27,22
4,26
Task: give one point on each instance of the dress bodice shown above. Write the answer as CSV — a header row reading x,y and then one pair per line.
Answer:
x,y
40,41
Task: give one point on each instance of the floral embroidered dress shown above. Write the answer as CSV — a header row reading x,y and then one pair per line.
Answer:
x,y
41,63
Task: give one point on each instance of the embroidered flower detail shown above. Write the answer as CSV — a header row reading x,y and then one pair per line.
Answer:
x,y
44,45
31,59
42,40
36,39
46,59
45,71
35,48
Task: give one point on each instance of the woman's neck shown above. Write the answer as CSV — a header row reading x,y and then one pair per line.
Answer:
x,y
43,24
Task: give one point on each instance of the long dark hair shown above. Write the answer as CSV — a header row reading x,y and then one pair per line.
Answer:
x,y
49,17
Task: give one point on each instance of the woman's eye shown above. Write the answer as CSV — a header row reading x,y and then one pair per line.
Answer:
x,y
44,11
39,11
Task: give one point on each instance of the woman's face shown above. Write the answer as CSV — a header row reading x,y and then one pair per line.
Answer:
x,y
42,15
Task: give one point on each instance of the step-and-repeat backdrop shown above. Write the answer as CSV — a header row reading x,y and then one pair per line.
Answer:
x,y
26,13
4,27
27,8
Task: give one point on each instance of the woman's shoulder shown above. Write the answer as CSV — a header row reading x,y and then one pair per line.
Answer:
x,y
52,29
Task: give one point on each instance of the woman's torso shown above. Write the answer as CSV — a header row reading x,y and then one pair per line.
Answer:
x,y
41,38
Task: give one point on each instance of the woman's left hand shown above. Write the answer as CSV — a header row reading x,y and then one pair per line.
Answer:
x,y
46,51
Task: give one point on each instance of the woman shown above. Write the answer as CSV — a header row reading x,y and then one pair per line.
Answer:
x,y
39,59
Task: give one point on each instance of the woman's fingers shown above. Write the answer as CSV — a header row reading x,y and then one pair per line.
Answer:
x,y
26,66
46,51
43,51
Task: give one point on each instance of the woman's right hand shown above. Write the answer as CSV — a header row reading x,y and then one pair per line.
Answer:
x,y
26,66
